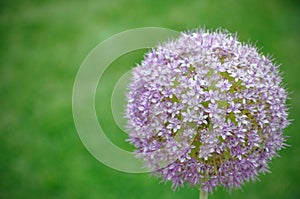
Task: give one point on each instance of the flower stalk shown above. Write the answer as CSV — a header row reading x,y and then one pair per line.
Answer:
x,y
203,194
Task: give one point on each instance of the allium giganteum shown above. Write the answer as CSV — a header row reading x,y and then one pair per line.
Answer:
x,y
207,110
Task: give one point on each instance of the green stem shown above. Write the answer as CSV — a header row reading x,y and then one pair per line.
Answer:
x,y
203,194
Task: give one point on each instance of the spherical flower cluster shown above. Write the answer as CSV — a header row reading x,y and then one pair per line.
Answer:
x,y
206,109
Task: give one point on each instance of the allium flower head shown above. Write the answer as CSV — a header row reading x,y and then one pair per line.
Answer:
x,y
206,109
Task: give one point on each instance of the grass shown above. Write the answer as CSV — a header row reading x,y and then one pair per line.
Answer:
x,y
42,46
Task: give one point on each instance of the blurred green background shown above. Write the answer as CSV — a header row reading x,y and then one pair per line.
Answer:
x,y
42,46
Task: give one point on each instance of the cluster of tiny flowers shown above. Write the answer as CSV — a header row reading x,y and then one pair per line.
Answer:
x,y
206,110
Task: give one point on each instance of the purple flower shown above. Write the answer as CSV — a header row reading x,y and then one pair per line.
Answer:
x,y
206,109
213,110
224,85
